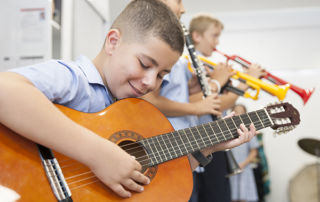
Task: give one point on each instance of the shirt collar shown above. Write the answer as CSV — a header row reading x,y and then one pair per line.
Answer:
x,y
89,70
92,74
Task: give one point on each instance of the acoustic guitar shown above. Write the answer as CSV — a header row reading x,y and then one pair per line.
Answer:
x,y
38,174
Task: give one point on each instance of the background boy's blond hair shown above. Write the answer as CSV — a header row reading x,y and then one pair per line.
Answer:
x,y
201,22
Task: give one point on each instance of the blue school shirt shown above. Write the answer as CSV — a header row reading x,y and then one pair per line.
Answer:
x,y
77,85
243,186
176,89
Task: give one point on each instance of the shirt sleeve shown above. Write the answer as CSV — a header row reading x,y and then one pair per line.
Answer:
x,y
55,80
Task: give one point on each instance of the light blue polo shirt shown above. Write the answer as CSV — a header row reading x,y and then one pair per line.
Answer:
x,y
177,90
77,85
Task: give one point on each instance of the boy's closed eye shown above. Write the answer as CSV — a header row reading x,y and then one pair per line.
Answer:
x,y
143,65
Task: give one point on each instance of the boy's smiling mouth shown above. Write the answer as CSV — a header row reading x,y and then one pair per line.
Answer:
x,y
137,92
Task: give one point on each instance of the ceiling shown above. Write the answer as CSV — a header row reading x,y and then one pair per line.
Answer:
x,y
222,6
218,6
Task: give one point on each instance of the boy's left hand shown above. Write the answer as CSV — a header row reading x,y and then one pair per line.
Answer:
x,y
245,135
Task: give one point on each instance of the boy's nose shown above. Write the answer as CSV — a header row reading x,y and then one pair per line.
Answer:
x,y
149,81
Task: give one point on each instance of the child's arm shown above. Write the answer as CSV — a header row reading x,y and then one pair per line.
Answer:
x,y
210,105
251,157
25,110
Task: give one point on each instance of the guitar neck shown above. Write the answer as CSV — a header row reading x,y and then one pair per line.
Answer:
x,y
179,143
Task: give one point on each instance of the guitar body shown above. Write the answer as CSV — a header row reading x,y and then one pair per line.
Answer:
x,y
126,120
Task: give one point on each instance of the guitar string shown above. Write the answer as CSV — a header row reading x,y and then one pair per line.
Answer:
x,y
152,144
77,187
175,147
88,183
68,165
219,133
139,146
73,176
193,141
81,180
87,178
207,139
141,162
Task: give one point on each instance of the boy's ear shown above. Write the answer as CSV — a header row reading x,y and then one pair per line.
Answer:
x,y
112,40
196,37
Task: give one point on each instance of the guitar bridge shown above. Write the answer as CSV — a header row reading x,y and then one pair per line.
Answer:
x,y
54,175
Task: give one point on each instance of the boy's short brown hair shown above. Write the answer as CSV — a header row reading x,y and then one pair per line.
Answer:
x,y
146,18
201,22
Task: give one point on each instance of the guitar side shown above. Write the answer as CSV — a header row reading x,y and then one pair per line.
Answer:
x,y
24,172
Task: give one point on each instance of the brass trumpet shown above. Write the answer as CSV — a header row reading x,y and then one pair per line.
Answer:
x,y
303,93
279,91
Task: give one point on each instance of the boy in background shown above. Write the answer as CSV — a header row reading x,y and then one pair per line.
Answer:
x,y
211,183
148,35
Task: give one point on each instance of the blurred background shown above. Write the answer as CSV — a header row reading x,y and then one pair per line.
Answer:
x,y
282,36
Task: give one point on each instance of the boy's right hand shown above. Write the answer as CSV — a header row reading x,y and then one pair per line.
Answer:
x,y
222,73
255,70
118,170
208,105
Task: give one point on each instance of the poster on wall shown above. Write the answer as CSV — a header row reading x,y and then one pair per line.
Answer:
x,y
26,38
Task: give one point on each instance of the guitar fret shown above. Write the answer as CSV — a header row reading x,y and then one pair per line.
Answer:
x,y
214,134
205,130
249,119
175,144
245,120
217,131
165,143
264,115
189,136
162,150
197,135
257,121
228,131
237,120
187,142
234,124
149,149
154,150
159,149
232,127
222,128
181,143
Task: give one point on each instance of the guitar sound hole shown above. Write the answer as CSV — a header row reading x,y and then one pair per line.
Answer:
x,y
137,150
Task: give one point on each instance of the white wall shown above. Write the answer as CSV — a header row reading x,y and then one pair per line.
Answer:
x,y
286,42
88,29
218,6
284,156
83,28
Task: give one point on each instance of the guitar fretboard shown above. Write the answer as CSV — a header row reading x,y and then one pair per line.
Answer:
x,y
179,143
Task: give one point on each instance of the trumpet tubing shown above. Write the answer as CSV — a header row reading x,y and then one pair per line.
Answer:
x,y
303,93
279,91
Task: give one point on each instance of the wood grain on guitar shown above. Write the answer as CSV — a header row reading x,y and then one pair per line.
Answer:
x,y
130,123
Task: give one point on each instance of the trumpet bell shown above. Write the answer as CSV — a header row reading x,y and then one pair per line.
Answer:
x,y
306,94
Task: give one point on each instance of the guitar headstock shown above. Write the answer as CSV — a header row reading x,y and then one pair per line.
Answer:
x,y
284,116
